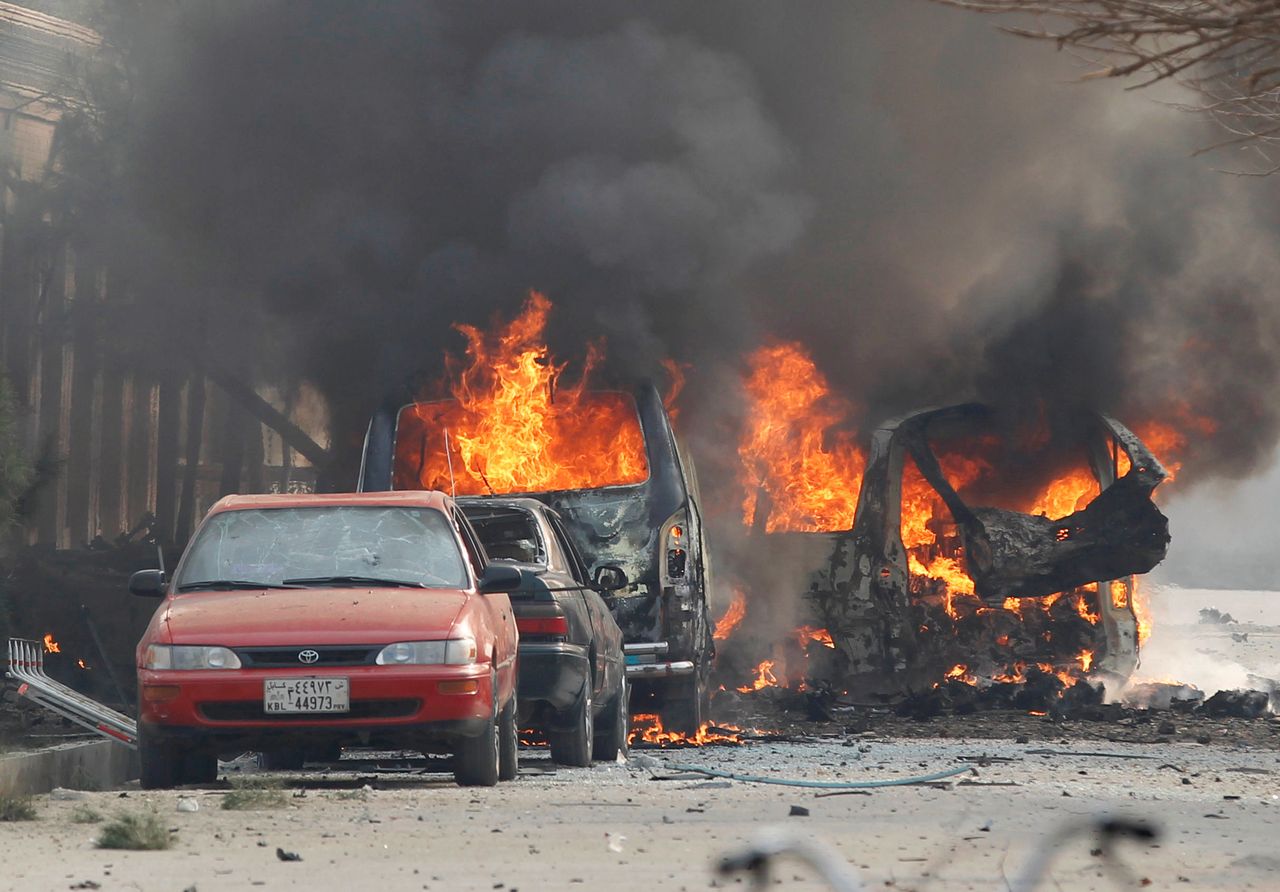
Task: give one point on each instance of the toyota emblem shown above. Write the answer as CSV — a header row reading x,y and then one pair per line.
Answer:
x,y
308,656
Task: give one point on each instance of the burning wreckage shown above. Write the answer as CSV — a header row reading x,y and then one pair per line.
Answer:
x,y
931,588
898,552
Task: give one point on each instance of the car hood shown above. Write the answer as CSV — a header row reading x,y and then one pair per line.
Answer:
x,y
349,615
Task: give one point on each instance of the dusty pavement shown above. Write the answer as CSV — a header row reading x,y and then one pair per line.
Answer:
x,y
616,827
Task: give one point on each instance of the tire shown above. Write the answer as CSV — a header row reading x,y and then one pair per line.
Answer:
x,y
615,726
573,747
475,764
688,705
282,760
508,743
160,763
199,768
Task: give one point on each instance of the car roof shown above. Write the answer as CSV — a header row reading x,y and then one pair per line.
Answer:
x,y
402,498
529,504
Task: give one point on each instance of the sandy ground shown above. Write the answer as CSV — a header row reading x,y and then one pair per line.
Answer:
x,y
616,827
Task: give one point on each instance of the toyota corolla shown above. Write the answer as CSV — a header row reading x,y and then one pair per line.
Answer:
x,y
297,624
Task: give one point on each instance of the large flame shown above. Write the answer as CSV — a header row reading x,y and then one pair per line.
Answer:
x,y
51,646
510,423
808,470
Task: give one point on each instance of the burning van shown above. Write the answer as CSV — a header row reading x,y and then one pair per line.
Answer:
x,y
633,505
984,549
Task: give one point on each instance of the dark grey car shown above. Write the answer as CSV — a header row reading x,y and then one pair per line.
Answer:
x,y
572,682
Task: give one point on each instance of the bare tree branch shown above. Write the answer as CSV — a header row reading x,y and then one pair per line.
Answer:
x,y
1227,51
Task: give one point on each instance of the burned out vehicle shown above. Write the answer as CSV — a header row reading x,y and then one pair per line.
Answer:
x,y
650,526
572,683
931,580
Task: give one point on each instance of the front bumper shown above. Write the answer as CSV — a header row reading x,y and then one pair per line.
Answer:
x,y
388,703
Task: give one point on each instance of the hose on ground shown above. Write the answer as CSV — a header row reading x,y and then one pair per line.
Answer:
x,y
822,785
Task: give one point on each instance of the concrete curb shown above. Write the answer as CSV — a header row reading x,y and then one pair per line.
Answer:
x,y
95,765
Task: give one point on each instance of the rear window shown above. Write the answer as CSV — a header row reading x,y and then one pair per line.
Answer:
x,y
593,441
415,545
507,534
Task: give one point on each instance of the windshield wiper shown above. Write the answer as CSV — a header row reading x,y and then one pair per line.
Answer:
x,y
228,584
354,580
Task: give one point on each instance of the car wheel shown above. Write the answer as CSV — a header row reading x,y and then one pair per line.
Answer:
x,y
160,763
615,724
573,747
282,760
508,743
476,759
687,705
199,768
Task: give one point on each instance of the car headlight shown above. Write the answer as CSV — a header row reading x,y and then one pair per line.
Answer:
x,y
454,652
182,656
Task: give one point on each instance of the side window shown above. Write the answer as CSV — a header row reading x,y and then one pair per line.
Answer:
x,y
571,554
474,551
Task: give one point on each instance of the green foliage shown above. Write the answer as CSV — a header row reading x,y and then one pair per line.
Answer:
x,y
17,808
141,831
248,794
84,814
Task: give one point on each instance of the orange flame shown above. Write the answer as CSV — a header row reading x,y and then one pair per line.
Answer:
x,y
511,424
51,646
1141,610
647,728
791,450
807,634
731,618
1086,660
764,678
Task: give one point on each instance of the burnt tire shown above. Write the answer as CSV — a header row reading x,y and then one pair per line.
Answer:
x,y
282,760
573,747
687,706
160,763
475,761
508,743
614,726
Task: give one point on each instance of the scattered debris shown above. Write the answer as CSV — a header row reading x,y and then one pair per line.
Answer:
x,y
1239,704
798,811
614,841
1214,616
287,856
188,804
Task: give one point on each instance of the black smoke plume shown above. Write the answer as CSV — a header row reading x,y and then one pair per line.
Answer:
x,y
319,190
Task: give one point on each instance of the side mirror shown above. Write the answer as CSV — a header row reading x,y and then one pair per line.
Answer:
x,y
499,578
609,578
148,583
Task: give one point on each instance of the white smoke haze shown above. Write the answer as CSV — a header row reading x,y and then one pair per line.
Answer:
x,y
1241,655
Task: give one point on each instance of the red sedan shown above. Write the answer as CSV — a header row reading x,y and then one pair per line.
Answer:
x,y
298,624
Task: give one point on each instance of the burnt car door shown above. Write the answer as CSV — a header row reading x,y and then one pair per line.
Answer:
x,y
605,635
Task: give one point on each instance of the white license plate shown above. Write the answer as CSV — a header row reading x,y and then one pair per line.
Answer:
x,y
306,695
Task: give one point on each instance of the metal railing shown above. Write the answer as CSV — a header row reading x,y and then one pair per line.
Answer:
x,y
26,667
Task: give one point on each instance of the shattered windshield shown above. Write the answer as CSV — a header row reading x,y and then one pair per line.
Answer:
x,y
308,546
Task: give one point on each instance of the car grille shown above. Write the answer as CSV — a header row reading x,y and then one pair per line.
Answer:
x,y
252,711
330,655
